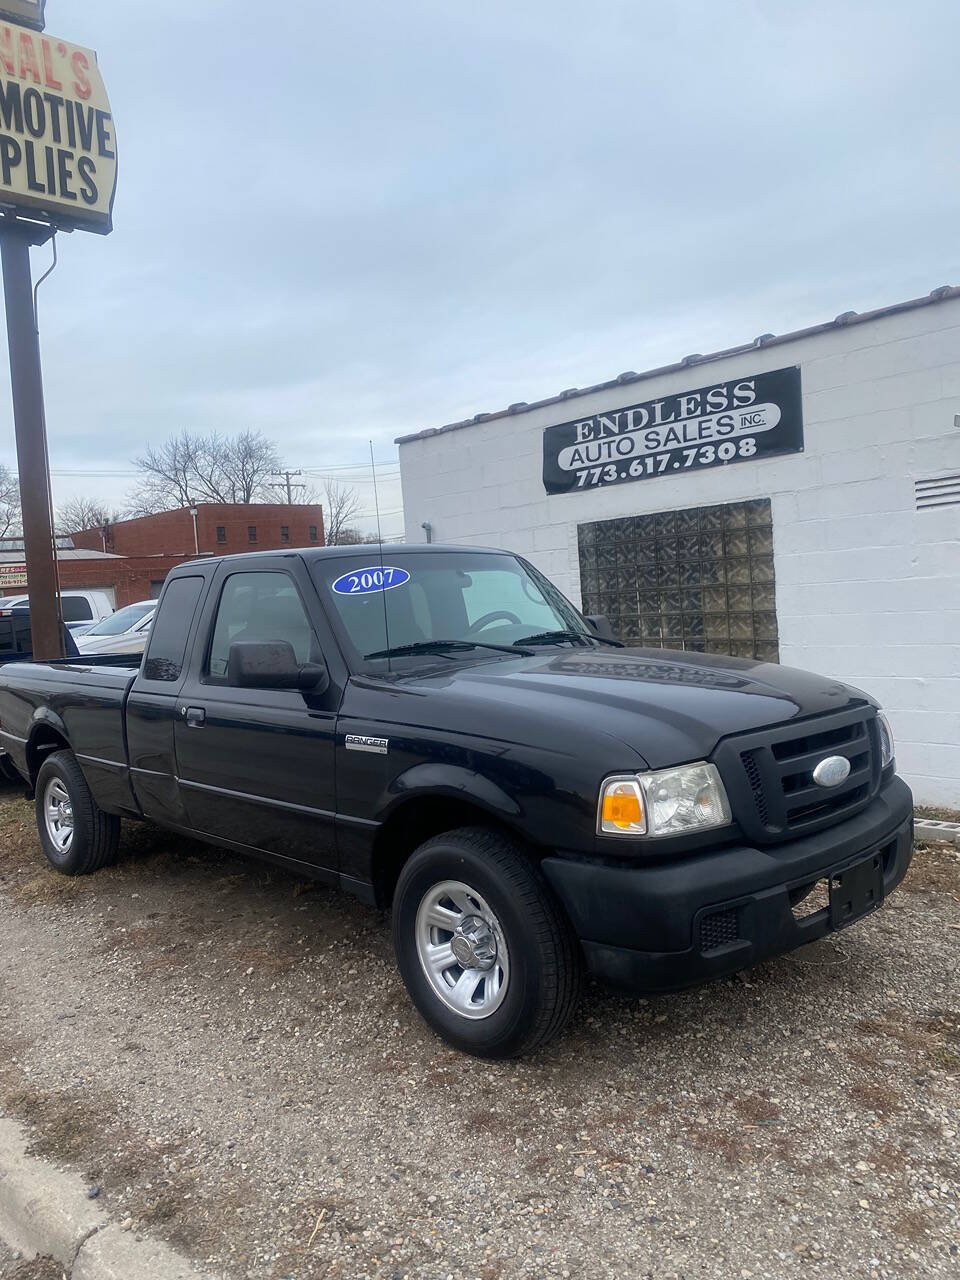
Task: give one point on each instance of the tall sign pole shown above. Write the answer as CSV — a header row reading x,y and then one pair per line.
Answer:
x,y
58,169
26,380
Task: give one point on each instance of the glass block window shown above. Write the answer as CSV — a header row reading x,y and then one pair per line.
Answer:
x,y
701,578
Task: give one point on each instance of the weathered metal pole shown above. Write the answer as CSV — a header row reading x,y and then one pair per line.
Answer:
x,y
26,380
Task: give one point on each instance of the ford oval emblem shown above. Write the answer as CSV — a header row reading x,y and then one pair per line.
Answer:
x,y
831,771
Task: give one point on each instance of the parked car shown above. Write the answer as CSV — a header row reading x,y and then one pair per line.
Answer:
x,y
16,637
125,631
440,732
78,607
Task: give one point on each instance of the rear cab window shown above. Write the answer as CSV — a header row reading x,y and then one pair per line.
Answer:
x,y
75,609
173,620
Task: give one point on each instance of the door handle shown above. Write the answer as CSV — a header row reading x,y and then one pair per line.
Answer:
x,y
195,717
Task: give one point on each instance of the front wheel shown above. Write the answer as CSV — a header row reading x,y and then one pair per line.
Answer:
x,y
482,945
77,836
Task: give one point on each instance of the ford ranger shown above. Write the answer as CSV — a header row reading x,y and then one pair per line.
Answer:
x,y
437,730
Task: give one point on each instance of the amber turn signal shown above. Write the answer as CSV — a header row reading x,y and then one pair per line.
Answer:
x,y
622,809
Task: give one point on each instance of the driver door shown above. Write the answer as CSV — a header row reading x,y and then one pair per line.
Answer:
x,y
257,765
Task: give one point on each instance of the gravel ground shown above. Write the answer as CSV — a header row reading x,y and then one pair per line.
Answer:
x,y
13,1267
229,1055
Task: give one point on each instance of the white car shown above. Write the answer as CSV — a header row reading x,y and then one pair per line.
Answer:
x,y
79,607
125,631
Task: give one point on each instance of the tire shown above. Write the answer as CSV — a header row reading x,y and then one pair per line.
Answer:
x,y
82,838
496,904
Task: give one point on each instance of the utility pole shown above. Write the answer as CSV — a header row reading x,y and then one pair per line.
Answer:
x,y
290,487
26,377
27,220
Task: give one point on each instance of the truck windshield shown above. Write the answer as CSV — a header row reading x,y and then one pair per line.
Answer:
x,y
423,602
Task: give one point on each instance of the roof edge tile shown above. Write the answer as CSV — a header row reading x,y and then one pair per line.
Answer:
x,y
845,320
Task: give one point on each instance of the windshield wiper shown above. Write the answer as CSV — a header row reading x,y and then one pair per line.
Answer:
x,y
440,646
552,637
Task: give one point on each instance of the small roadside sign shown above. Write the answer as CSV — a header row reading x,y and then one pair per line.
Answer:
x,y
12,575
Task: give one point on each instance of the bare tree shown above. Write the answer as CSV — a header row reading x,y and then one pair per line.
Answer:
x,y
11,523
341,507
351,536
82,513
189,468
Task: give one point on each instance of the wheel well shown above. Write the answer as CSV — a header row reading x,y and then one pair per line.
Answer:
x,y
43,740
416,821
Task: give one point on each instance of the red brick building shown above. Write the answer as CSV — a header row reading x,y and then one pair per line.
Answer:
x,y
217,529
131,578
128,578
132,558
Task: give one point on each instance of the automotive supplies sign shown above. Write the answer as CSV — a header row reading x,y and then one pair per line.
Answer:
x,y
58,149
742,420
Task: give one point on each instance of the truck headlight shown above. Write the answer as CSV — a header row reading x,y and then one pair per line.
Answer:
x,y
666,802
886,740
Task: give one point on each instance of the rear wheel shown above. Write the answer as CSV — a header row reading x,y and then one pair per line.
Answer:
x,y
485,951
77,836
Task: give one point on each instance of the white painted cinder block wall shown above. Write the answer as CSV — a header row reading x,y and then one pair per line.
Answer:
x,y
868,588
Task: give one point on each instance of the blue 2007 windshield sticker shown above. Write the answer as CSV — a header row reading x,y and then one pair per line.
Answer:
x,y
361,582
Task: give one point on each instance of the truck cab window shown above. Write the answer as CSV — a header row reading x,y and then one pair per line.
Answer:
x,y
171,629
76,609
260,606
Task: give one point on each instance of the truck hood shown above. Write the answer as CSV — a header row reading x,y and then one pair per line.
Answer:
x,y
669,707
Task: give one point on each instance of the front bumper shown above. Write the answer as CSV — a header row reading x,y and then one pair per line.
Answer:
x,y
709,914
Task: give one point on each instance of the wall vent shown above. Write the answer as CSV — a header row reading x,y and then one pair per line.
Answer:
x,y
937,491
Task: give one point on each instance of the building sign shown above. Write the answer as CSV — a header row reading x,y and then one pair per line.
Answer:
x,y
58,150
27,12
12,575
742,420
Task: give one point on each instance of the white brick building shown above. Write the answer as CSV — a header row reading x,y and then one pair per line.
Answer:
x,y
862,580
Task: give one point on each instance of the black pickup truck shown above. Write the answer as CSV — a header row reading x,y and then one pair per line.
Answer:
x,y
438,730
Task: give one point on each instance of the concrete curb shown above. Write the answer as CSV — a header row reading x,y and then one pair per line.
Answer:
x,y
114,1254
929,829
45,1211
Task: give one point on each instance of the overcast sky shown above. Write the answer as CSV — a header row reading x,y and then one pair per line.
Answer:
x,y
353,220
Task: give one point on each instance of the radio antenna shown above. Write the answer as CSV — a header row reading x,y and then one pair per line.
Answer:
x,y
383,579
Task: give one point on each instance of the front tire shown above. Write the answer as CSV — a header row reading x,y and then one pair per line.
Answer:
x,y
483,947
78,838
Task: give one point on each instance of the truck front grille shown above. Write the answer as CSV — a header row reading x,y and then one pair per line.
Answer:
x,y
769,775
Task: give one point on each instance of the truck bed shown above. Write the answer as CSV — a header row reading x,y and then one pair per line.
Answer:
x,y
81,698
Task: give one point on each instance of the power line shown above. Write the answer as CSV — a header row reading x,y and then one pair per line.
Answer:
x,y
289,487
389,466
393,467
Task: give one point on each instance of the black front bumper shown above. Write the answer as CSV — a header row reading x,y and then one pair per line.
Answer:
x,y
709,914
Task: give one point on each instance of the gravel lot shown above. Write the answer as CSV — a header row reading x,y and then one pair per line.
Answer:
x,y
229,1055
13,1267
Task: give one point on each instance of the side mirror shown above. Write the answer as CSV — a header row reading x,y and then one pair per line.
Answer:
x,y
599,623
272,664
